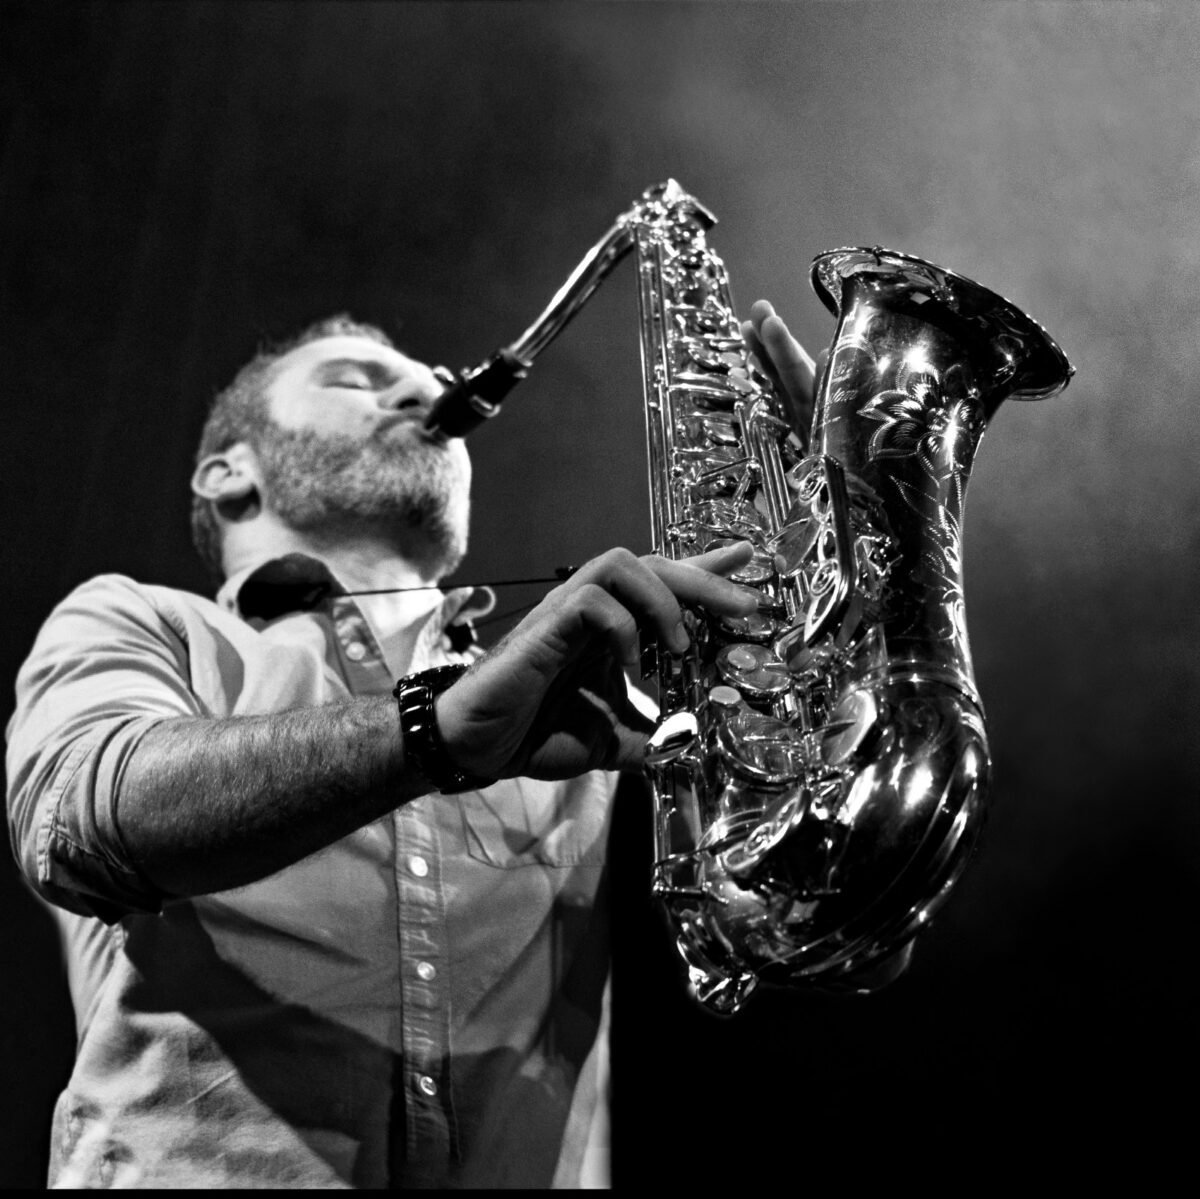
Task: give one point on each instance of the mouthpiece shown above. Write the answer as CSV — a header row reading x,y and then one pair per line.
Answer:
x,y
475,396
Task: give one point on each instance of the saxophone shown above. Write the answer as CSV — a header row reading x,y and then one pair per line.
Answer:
x,y
820,768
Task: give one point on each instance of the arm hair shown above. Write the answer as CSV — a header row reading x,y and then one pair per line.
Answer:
x,y
210,804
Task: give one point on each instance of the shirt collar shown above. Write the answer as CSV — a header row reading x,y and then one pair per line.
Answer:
x,y
301,583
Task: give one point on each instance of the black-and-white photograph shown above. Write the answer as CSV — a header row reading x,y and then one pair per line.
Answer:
x,y
599,594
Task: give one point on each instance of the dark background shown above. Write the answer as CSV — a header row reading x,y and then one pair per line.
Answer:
x,y
181,180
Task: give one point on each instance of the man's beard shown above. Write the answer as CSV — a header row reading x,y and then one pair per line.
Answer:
x,y
411,491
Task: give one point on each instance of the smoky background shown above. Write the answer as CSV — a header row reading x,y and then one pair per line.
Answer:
x,y
179,181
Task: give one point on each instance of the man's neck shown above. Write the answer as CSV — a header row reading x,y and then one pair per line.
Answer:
x,y
361,562
408,594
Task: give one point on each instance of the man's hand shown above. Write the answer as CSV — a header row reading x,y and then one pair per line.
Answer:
x,y
550,701
785,362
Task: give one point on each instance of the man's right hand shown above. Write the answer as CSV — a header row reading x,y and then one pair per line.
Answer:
x,y
550,700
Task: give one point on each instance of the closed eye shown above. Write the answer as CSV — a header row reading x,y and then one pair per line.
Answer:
x,y
355,375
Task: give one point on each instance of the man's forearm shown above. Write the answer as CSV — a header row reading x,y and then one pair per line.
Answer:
x,y
206,805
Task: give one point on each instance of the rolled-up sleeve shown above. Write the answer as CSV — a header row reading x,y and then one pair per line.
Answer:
x,y
107,666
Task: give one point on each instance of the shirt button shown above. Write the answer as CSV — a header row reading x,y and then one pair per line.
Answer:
x,y
426,971
418,866
427,1086
356,651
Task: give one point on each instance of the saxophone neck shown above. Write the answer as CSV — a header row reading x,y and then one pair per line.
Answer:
x,y
475,395
659,203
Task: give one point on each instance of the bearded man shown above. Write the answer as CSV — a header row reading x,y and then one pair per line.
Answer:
x,y
314,940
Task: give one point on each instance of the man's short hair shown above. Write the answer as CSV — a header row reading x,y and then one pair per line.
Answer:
x,y
240,413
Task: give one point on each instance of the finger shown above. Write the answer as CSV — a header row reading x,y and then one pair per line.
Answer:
x,y
652,588
783,352
784,360
630,751
625,726
724,559
795,374
761,357
695,581
639,589
592,610
761,311
791,359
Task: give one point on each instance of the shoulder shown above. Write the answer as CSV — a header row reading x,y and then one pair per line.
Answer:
x,y
114,606
117,590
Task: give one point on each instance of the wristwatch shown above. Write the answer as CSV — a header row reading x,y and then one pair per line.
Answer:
x,y
415,694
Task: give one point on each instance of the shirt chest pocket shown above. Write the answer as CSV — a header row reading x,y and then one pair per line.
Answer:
x,y
526,822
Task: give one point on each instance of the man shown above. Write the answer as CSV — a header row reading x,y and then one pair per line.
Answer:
x,y
313,940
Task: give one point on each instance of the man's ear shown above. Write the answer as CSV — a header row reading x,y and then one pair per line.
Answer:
x,y
230,480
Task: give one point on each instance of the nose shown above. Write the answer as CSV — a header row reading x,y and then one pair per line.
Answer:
x,y
410,393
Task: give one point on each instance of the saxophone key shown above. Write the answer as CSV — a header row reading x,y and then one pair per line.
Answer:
x,y
757,628
762,748
852,729
713,346
677,735
725,521
693,259
754,670
727,699
809,663
721,430
685,230
716,355
695,289
725,473
692,322
703,398
689,433
759,570
712,393
709,470
727,381
793,547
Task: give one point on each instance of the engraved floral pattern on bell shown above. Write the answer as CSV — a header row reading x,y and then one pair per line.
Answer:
x,y
922,419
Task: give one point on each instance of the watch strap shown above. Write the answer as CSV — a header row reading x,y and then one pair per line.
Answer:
x,y
416,695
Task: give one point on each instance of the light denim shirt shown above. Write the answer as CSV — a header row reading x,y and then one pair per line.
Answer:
x,y
423,1003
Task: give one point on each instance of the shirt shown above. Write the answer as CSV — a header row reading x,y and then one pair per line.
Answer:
x,y
423,1003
